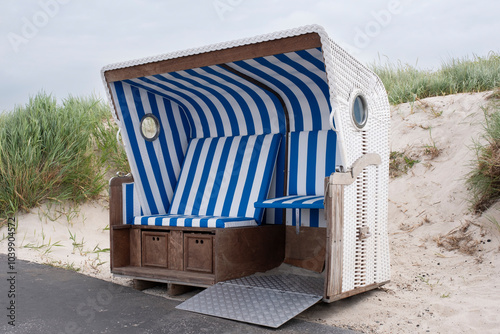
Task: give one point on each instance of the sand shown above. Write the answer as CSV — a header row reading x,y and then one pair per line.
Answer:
x,y
434,287
67,236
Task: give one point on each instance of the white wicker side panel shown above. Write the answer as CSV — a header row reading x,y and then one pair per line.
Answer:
x,y
365,261
372,224
359,256
378,141
361,251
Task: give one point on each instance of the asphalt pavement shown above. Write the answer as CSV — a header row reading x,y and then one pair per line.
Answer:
x,y
43,299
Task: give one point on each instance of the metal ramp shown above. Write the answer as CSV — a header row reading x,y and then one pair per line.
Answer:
x,y
263,300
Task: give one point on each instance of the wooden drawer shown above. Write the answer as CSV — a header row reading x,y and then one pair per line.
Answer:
x,y
198,252
155,249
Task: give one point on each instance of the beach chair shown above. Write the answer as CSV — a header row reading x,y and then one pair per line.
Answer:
x,y
259,170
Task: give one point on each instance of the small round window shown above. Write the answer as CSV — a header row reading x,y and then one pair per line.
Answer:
x,y
359,111
150,127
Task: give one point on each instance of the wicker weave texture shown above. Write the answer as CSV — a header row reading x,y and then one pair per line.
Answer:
x,y
365,261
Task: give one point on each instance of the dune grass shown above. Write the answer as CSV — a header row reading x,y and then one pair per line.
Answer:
x,y
484,179
55,151
406,83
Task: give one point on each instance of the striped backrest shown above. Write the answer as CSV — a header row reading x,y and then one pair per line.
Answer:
x,y
224,176
311,158
156,164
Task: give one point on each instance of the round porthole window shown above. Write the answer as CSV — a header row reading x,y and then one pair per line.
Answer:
x,y
150,127
359,111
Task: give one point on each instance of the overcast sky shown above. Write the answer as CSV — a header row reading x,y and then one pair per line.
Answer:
x,y
60,45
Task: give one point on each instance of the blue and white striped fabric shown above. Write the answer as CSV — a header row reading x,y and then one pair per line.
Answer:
x,y
306,217
194,221
214,102
311,158
293,202
275,216
300,79
131,204
155,165
224,177
219,103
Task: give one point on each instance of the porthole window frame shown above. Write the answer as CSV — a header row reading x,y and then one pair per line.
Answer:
x,y
157,123
354,96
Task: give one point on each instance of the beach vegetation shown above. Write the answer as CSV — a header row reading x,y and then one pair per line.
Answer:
x,y
408,83
51,151
484,178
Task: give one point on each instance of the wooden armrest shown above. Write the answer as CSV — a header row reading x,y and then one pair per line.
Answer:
x,y
357,167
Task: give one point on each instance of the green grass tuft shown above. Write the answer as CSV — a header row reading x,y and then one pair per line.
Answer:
x,y
51,151
406,83
484,179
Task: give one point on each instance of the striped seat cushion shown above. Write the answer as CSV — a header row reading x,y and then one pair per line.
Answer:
x,y
133,215
194,221
225,176
293,202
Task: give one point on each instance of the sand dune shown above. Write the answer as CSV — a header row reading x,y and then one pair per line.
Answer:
x,y
432,289
445,260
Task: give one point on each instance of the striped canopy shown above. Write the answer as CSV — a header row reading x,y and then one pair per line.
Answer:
x,y
223,100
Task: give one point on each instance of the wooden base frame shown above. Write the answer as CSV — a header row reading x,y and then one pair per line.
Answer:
x,y
353,292
202,257
189,255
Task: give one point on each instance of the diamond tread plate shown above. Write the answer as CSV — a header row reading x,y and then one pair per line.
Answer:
x,y
261,300
287,282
